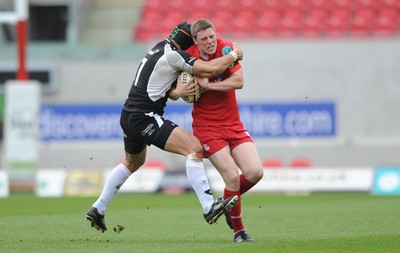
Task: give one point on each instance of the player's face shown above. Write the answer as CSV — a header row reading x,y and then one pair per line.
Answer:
x,y
207,41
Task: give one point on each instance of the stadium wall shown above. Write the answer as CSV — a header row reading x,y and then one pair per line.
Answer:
x,y
360,77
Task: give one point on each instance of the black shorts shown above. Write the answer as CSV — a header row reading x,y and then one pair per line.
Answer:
x,y
141,129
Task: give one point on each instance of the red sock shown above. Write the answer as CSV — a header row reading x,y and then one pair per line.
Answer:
x,y
236,213
244,184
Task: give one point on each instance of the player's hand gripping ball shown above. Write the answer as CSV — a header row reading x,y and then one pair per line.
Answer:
x,y
185,77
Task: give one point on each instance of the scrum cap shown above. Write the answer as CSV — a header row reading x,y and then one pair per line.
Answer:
x,y
181,34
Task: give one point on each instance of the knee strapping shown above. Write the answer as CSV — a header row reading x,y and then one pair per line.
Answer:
x,y
195,156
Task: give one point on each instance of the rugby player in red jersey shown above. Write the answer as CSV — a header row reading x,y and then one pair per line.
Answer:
x,y
217,124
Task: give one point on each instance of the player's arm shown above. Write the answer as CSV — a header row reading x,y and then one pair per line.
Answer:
x,y
234,82
217,65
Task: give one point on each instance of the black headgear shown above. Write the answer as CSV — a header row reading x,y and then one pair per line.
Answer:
x,y
181,34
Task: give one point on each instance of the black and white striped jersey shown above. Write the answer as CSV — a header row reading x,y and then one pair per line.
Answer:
x,y
155,75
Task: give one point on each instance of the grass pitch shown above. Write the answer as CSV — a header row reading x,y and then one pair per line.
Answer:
x,y
165,223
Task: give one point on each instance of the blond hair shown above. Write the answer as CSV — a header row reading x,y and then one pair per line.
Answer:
x,y
200,25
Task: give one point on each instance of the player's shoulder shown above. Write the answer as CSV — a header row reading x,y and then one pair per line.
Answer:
x,y
192,49
172,52
222,42
157,49
223,47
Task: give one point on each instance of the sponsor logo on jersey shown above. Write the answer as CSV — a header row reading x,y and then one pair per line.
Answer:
x,y
148,130
226,50
206,147
151,52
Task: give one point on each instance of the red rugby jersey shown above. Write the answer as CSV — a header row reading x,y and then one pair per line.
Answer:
x,y
216,107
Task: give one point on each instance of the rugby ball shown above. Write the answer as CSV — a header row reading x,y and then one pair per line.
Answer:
x,y
185,77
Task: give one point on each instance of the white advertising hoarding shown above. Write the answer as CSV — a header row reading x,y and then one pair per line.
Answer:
x,y
4,185
21,127
50,182
306,180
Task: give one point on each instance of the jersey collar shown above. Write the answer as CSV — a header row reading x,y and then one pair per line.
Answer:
x,y
168,41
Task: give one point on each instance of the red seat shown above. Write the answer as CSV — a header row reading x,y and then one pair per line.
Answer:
x,y
155,164
271,5
337,24
175,17
313,5
148,26
201,5
391,13
242,25
266,24
171,5
388,4
314,24
343,5
150,13
166,26
224,5
201,13
300,163
361,23
221,22
294,5
272,163
152,5
249,6
365,4
143,33
319,14
385,23
289,25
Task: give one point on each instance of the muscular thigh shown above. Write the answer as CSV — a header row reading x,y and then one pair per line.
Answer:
x,y
182,142
247,158
223,161
226,166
